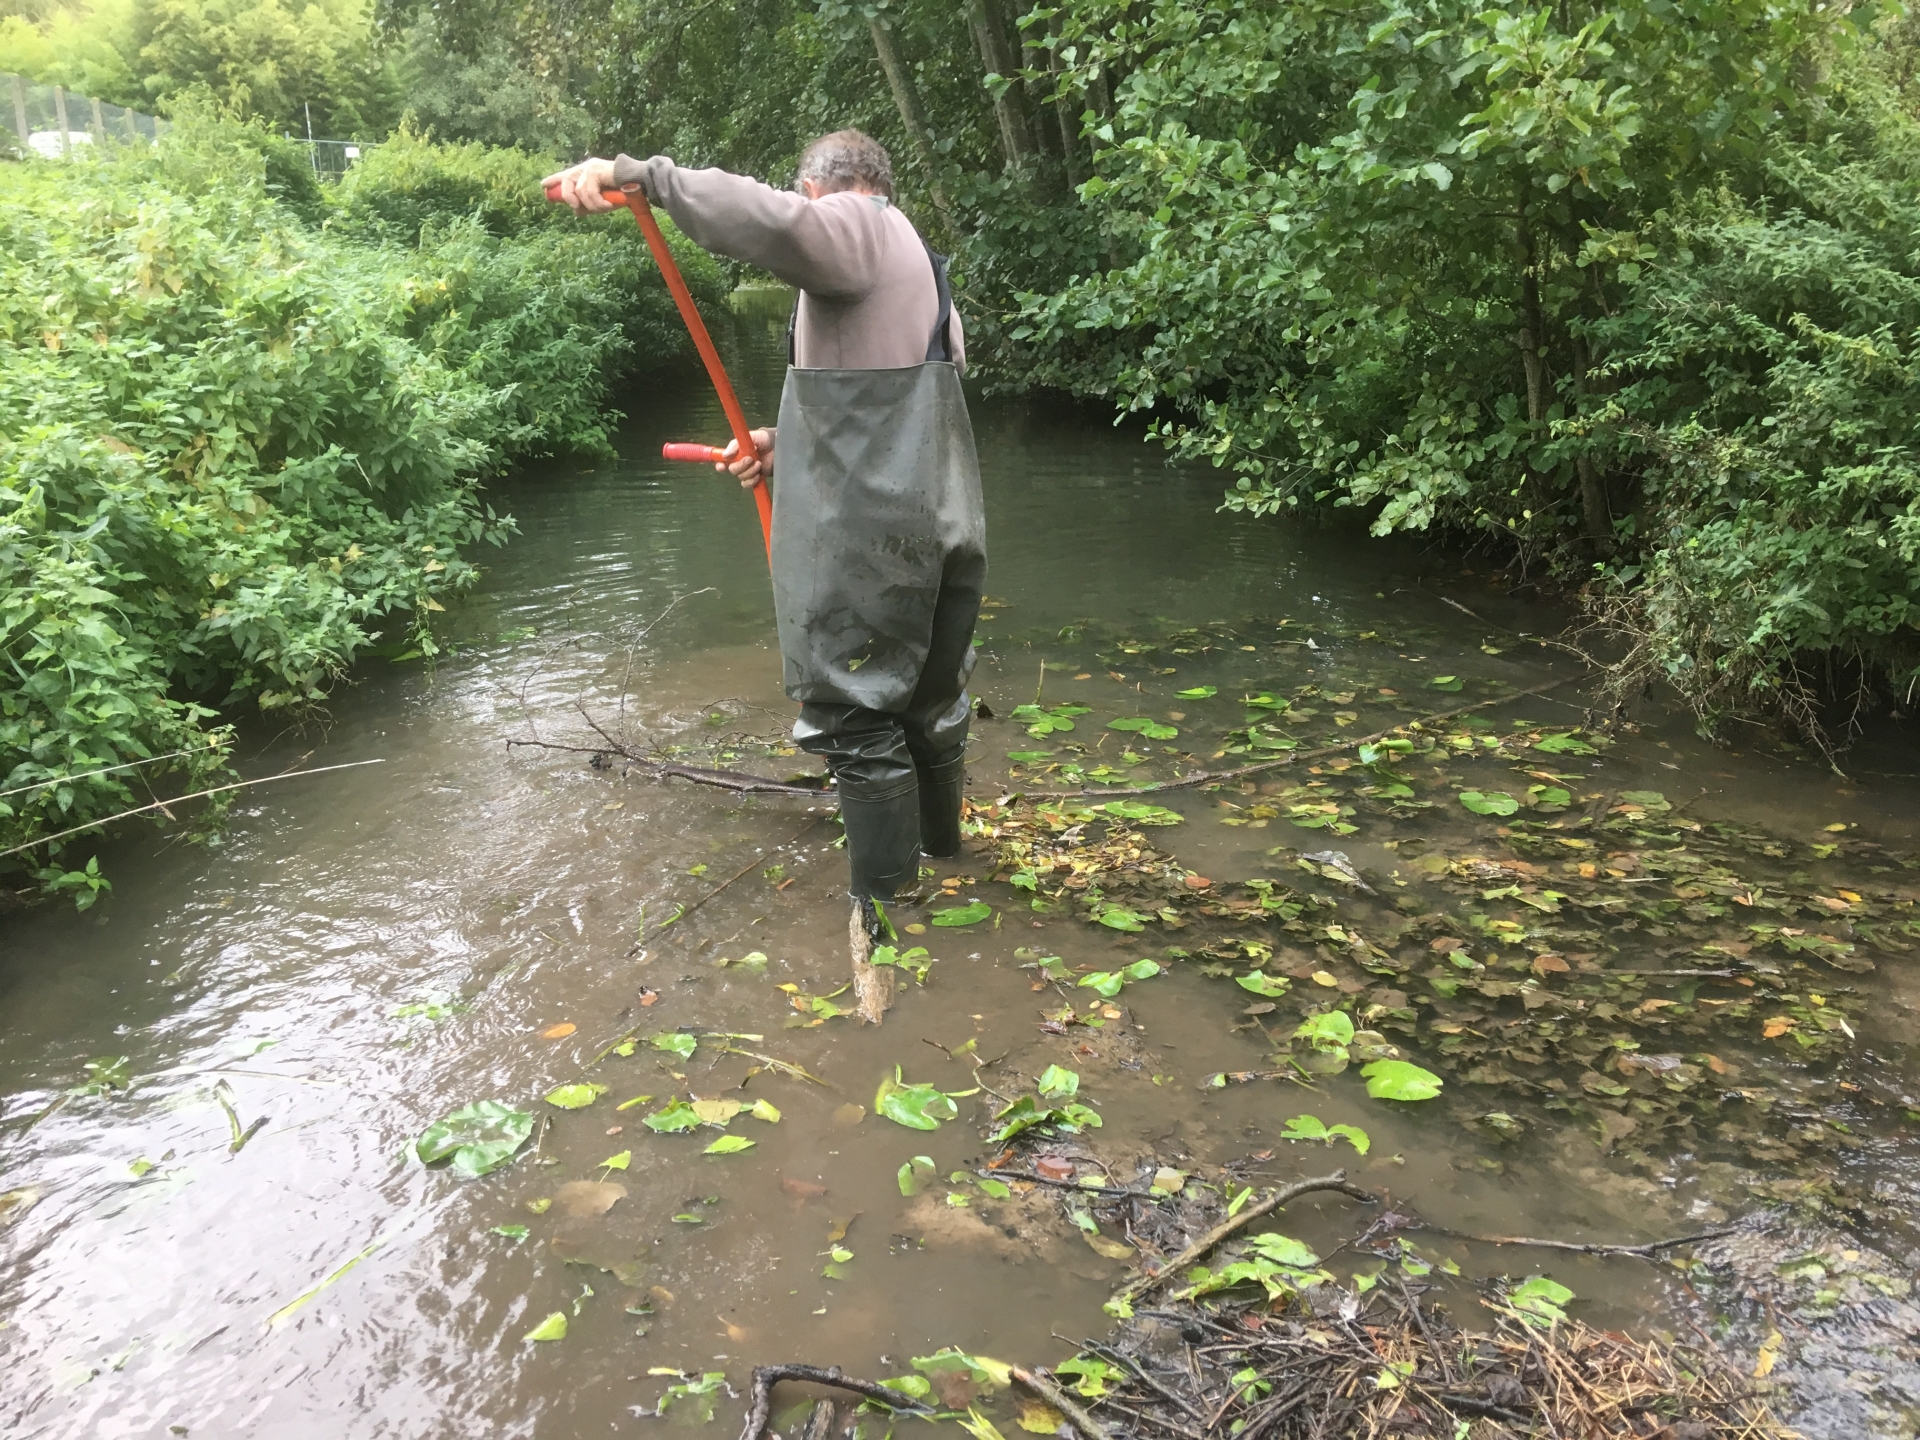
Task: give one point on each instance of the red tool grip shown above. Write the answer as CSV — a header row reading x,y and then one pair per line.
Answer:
x,y
703,342
676,450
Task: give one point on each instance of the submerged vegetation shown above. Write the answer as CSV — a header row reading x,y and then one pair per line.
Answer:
x,y
242,422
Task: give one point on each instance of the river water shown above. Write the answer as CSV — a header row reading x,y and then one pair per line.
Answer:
x,y
367,951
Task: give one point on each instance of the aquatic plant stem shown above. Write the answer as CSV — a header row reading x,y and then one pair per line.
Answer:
x,y
1200,1248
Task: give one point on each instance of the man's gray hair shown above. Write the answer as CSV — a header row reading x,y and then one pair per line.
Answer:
x,y
847,160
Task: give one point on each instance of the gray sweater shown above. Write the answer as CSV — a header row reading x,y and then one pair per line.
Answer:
x,y
867,296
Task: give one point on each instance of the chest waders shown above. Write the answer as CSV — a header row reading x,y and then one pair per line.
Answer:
x,y
879,564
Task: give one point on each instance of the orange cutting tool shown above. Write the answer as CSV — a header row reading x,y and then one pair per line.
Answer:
x,y
703,342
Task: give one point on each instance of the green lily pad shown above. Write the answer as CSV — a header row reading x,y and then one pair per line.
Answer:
x,y
963,915
676,1117
1144,725
1400,1080
918,1107
1448,682
1058,1083
1198,692
1495,802
575,1097
914,1173
675,1043
1261,984
479,1138
1330,1029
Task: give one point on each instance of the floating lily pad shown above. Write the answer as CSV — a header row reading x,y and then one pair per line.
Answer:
x,y
918,1107
1400,1080
577,1096
479,1138
1496,802
963,915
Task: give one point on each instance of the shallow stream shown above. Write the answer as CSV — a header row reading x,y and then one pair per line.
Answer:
x,y
370,950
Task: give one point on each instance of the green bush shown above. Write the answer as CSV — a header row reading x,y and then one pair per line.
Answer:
x,y
235,447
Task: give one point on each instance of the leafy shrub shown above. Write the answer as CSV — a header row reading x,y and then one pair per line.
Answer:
x,y
234,446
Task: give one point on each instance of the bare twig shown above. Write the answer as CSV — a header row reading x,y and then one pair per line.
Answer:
x,y
1259,1209
684,911
182,799
765,1377
1643,1252
1037,1381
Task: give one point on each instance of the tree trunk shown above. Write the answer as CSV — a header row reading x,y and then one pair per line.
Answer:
x,y
1033,59
1596,498
1016,140
906,97
1067,113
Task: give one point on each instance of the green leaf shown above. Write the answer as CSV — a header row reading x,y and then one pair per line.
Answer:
x,y
764,1110
1118,917
676,1043
1198,692
1331,1029
729,1145
1566,743
479,1138
1141,813
1104,983
1028,757
963,915
1539,1301
1141,970
914,1173
617,1162
1057,1083
575,1097
996,1189
676,1117
1400,1080
1496,802
515,1233
918,1107
1142,725
1448,682
554,1327
1263,984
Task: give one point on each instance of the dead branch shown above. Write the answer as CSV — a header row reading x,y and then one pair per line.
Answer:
x,y
1642,1252
1037,1381
765,1377
1260,1208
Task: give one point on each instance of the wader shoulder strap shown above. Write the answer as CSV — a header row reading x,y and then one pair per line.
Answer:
x,y
939,343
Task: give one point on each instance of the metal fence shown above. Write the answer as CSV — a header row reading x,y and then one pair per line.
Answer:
x,y
50,121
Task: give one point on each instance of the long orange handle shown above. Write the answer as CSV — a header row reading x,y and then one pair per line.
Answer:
x,y
696,327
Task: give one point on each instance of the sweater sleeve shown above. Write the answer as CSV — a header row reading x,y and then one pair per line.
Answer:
x,y
828,247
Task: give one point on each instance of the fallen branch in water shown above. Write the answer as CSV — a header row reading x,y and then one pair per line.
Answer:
x,y
1037,1381
1199,1248
1210,777
738,781
685,910
1648,1251
765,1377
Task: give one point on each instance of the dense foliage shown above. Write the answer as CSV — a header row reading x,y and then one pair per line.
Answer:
x,y
236,445
1624,290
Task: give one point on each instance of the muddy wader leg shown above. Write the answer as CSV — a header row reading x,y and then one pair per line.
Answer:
x,y
938,715
880,808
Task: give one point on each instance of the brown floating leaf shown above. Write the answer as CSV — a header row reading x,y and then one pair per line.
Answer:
x,y
589,1197
1112,1249
558,1032
801,1189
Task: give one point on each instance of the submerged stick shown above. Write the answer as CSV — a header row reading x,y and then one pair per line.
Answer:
x,y
182,799
685,910
1037,1381
739,781
1641,1252
765,1377
1199,1248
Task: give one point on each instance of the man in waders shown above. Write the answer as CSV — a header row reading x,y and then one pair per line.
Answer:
x,y
879,544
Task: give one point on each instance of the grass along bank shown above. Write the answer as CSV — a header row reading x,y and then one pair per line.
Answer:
x,y
244,421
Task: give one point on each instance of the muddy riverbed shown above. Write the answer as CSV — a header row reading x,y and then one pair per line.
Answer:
x,y
1663,985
